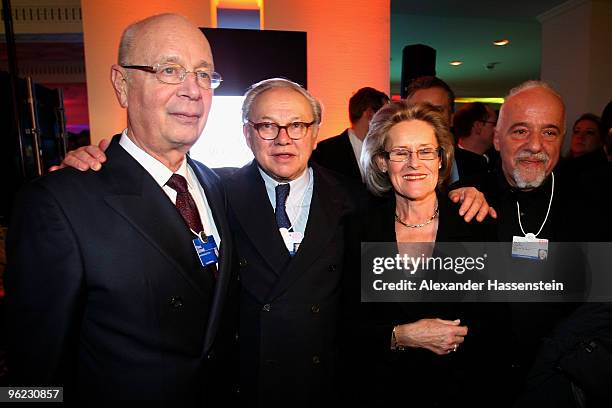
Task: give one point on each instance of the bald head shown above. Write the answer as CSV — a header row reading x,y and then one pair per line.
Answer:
x,y
134,37
540,88
529,134
165,118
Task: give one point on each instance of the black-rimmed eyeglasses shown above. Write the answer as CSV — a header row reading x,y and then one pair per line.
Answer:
x,y
271,130
174,74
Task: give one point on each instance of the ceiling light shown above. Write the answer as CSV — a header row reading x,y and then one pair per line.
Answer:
x,y
500,43
455,63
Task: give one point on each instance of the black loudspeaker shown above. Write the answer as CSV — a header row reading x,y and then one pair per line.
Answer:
x,y
417,60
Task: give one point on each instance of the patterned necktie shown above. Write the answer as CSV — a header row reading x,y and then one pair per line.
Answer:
x,y
185,203
188,209
282,219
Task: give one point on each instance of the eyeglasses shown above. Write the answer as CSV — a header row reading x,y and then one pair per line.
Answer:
x,y
402,155
174,74
271,130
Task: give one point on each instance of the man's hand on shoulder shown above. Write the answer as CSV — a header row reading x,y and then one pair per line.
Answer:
x,y
473,203
85,157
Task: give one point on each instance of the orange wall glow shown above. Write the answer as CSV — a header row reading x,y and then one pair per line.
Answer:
x,y
348,48
103,23
239,4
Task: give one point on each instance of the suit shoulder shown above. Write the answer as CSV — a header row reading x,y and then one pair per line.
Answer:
x,y
225,173
331,145
203,168
341,184
334,140
61,181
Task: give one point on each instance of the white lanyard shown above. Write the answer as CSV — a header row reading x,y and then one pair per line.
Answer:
x,y
518,210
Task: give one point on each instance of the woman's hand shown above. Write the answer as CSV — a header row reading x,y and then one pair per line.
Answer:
x,y
437,335
85,157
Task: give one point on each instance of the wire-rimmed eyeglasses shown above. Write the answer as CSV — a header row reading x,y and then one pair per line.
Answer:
x,y
402,155
174,74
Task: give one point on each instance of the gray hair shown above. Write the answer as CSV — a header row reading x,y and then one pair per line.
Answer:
x,y
376,180
260,87
533,84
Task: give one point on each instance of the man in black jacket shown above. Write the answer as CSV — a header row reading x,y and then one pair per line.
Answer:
x,y
538,206
117,280
342,153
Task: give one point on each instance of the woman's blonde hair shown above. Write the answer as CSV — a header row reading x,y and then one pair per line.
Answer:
x,y
376,180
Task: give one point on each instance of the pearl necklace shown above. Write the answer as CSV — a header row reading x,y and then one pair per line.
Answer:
x,y
429,221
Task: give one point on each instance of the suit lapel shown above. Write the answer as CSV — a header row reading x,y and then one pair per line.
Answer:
x,y
326,211
349,155
216,201
252,209
143,204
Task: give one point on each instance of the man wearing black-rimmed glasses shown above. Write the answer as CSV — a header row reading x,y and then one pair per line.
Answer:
x,y
288,220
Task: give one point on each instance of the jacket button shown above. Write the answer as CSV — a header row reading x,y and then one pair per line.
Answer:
x,y
316,360
242,262
266,307
314,308
210,356
332,268
176,302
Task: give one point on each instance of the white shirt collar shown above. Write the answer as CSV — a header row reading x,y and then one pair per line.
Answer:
x,y
357,145
297,186
154,167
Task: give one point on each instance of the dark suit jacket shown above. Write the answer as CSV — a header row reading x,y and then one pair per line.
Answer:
x,y
104,293
289,307
336,153
470,164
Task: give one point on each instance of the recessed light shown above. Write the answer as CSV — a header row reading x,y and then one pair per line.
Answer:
x,y
455,63
502,42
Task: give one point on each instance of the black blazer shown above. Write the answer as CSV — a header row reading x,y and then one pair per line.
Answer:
x,y
104,293
336,153
415,377
289,307
470,164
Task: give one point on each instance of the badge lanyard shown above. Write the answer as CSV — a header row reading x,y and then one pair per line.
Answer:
x,y
293,239
206,248
529,246
518,212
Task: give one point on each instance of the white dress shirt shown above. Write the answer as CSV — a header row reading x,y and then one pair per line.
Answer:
x,y
161,174
357,145
298,201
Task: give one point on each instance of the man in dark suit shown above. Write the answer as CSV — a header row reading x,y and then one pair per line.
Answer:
x,y
433,90
106,292
288,220
537,204
474,125
341,153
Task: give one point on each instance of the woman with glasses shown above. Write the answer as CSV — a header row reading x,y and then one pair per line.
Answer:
x,y
412,353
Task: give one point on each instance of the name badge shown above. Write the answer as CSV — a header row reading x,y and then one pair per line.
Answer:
x,y
530,247
292,240
206,249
